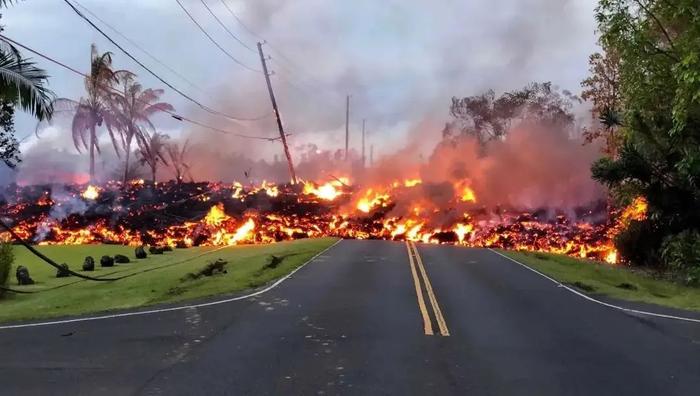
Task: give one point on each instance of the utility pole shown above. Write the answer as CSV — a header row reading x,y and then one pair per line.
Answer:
x,y
347,125
363,143
283,136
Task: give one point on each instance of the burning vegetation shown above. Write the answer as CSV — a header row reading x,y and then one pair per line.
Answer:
x,y
195,214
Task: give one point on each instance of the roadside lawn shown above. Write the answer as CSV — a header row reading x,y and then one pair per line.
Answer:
x,y
609,280
156,279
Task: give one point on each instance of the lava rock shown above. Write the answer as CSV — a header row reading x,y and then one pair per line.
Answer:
x,y
23,277
140,252
121,259
89,264
107,261
155,250
62,272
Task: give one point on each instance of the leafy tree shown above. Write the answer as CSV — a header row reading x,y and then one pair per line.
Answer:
x,y
153,152
602,89
658,42
486,117
94,109
133,108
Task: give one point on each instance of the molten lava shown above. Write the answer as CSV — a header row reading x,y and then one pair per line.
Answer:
x,y
200,214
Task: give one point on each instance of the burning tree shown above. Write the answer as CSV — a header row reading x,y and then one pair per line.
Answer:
x,y
152,152
178,159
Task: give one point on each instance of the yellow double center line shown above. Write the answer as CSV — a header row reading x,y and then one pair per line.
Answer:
x,y
416,262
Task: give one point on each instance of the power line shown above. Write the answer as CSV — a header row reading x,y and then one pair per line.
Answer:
x,y
252,33
120,34
274,48
303,89
172,113
184,95
225,28
214,41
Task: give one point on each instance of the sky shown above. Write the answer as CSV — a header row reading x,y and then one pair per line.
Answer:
x,y
401,61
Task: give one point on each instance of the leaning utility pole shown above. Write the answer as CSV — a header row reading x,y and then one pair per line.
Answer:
x,y
363,143
283,136
347,125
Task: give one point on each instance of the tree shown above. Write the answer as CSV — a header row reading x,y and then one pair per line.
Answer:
x,y
178,159
658,42
602,89
9,146
21,84
486,117
133,108
94,109
153,152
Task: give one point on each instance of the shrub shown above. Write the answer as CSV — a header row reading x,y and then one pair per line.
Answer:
x,y
681,254
639,243
7,257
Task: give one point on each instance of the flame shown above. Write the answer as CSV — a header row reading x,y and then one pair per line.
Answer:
x,y
91,192
462,230
468,195
328,191
370,200
412,182
270,189
611,257
637,210
216,215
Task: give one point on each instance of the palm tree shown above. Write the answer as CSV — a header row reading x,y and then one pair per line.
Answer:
x,y
133,107
153,152
93,110
23,84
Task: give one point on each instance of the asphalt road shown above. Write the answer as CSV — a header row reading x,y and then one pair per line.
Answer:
x,y
350,322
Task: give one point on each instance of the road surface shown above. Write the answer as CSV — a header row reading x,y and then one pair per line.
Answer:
x,y
362,319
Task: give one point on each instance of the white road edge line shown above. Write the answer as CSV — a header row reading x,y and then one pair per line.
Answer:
x,y
178,308
591,299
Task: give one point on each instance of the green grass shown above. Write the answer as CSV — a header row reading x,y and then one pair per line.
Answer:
x,y
614,281
156,279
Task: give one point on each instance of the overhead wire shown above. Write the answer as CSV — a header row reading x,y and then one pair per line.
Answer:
x,y
230,33
154,74
140,48
172,113
277,51
222,49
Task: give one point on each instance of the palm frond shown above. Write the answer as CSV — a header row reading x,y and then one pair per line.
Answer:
x,y
5,3
22,83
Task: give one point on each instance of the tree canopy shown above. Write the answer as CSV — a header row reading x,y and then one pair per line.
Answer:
x,y
658,44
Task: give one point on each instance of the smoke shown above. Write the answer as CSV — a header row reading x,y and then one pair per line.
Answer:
x,y
401,62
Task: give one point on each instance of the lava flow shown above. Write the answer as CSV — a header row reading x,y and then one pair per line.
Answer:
x,y
199,214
